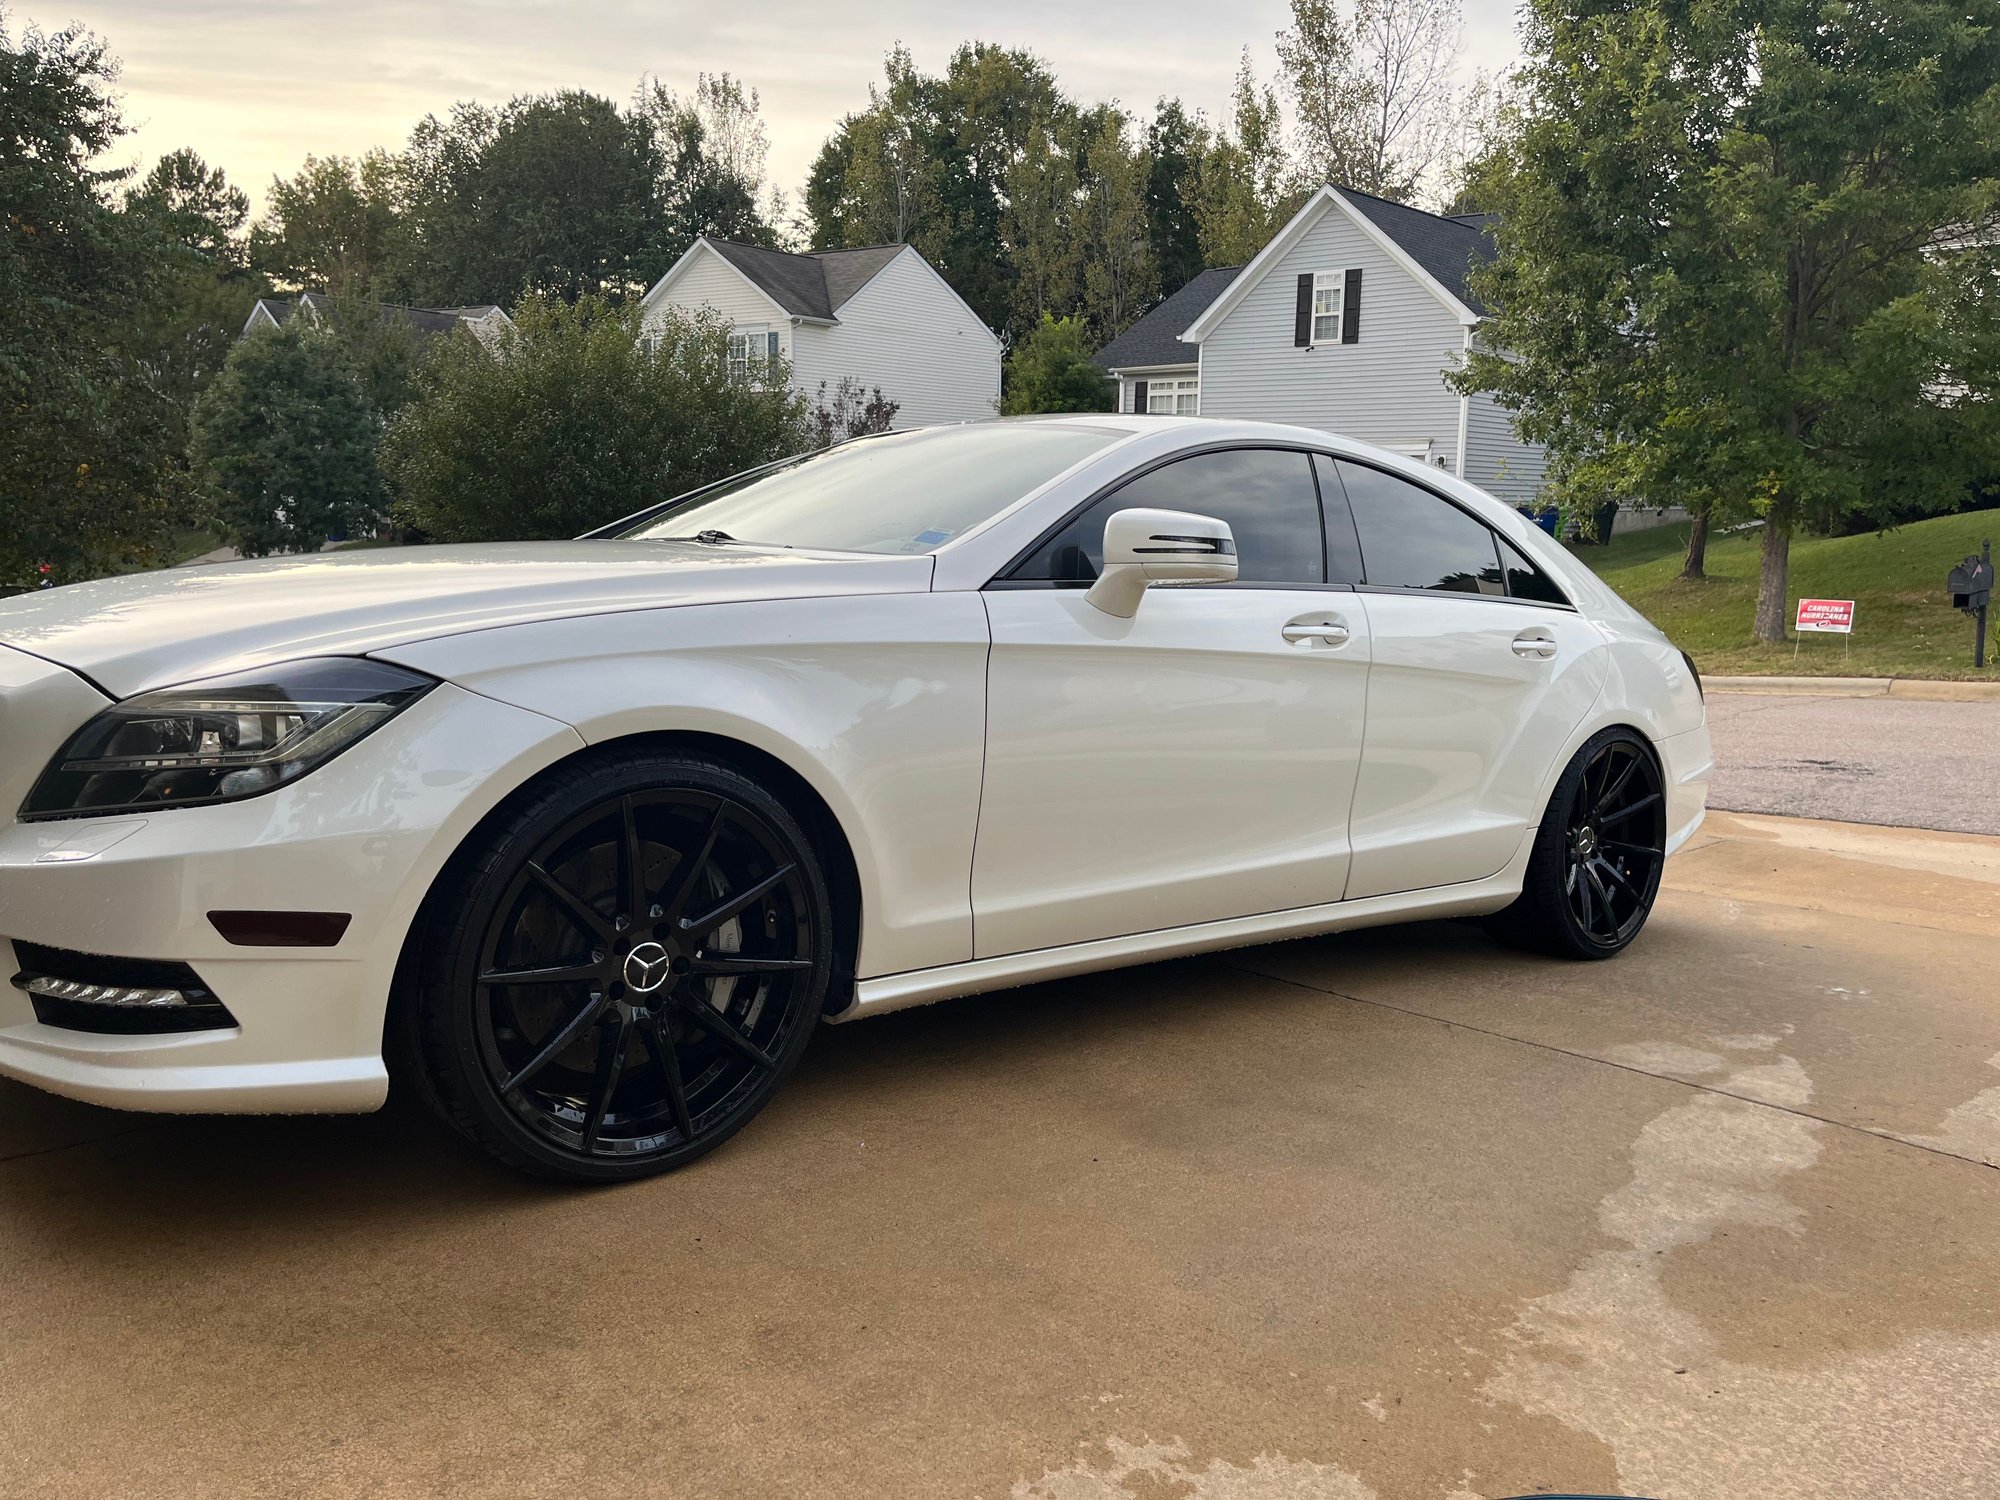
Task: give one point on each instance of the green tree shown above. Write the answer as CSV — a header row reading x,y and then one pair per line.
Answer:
x,y
1747,255
570,422
331,227
1052,370
1176,144
286,439
1243,191
88,440
206,287
1120,279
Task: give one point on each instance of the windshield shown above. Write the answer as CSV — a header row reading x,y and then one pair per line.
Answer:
x,y
904,492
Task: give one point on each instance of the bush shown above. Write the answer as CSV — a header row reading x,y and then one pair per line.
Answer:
x,y
568,422
1052,370
851,411
285,439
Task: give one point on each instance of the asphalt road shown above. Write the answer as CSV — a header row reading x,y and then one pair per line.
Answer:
x,y
1860,760
1396,1214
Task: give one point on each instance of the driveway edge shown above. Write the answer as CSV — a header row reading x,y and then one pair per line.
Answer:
x,y
1860,687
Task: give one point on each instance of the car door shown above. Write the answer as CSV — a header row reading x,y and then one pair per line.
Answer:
x,y
1192,763
1481,670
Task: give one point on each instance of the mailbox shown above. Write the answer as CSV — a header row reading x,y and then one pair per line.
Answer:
x,y
1971,584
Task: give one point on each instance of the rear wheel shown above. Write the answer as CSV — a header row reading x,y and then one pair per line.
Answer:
x,y
1595,868
625,969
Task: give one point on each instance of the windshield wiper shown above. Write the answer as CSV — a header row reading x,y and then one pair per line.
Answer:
x,y
710,538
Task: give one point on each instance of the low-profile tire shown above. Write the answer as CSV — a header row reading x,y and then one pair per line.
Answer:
x,y
622,967
1595,867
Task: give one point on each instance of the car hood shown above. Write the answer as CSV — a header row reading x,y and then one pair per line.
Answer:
x,y
147,630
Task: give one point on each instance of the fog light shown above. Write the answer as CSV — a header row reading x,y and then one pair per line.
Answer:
x,y
130,996
101,994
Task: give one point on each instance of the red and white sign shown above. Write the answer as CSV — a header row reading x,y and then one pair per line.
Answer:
x,y
1835,615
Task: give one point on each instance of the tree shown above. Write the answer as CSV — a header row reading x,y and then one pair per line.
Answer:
x,y
711,149
1746,259
1176,143
87,438
568,423
1119,277
1242,191
196,307
286,441
330,227
1052,370
1374,92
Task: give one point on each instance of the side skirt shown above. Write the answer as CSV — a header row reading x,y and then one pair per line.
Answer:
x,y
889,992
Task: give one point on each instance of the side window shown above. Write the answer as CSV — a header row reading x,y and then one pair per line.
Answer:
x,y
1525,580
1412,539
1265,494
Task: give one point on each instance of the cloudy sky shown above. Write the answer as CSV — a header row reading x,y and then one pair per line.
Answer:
x,y
254,85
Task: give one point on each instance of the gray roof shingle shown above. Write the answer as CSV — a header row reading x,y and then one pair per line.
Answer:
x,y
1448,248
1156,338
814,285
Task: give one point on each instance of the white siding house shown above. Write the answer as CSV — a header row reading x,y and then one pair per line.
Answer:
x,y
1348,321
881,316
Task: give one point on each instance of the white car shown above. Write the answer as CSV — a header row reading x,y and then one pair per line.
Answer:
x,y
583,839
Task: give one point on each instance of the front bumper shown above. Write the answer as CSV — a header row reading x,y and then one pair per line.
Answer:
x,y
365,834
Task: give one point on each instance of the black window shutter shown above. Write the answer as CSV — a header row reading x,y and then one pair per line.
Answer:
x,y
1302,325
1350,309
1139,396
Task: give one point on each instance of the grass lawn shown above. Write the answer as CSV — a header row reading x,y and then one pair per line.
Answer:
x,y
1904,625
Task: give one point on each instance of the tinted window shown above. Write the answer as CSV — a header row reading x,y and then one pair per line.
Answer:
x,y
1525,580
905,492
1265,494
1412,539
1343,547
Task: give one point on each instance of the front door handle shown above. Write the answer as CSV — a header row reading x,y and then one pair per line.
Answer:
x,y
1537,643
1325,630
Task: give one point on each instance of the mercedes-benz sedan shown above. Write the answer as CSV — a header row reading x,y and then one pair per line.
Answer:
x,y
584,839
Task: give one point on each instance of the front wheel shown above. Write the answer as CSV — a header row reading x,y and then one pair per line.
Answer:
x,y
1595,867
624,968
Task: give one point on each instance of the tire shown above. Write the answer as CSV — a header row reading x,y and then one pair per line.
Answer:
x,y
622,968
1595,867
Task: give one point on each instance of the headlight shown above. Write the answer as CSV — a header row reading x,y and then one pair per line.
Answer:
x,y
221,740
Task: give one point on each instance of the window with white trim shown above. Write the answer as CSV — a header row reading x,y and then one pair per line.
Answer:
x,y
751,351
1328,288
1174,398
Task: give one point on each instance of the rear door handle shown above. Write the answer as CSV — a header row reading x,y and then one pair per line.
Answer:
x,y
1537,643
1327,630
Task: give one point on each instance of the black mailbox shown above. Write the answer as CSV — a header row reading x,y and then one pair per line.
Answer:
x,y
1971,584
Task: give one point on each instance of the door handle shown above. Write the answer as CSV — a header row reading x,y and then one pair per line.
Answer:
x,y
1326,632
1536,643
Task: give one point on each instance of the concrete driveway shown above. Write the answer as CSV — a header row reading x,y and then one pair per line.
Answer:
x,y
1396,1214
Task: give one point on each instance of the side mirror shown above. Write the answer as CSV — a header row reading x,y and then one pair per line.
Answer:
x,y
1143,547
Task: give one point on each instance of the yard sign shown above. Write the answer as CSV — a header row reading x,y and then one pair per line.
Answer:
x,y
1835,616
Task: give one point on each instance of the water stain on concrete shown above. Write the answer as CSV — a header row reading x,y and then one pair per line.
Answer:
x,y
1130,1471
1611,1356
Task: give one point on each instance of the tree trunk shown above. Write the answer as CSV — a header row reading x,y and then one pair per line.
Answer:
x,y
1695,567
1774,578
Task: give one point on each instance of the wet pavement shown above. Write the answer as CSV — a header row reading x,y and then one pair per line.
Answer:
x,y
1391,1214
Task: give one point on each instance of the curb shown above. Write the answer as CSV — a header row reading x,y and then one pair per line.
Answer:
x,y
1916,688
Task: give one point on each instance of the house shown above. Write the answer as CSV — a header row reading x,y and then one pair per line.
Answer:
x,y
1348,320
881,316
484,322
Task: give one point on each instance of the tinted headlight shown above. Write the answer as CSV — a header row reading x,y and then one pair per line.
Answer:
x,y
221,740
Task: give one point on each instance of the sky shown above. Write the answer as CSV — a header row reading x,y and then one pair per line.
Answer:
x,y
256,85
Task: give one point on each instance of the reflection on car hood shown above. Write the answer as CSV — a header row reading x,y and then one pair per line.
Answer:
x,y
150,629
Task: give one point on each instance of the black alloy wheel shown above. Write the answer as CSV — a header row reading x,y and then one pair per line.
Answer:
x,y
630,971
1595,869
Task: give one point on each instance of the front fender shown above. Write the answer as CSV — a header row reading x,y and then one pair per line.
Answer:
x,y
877,702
